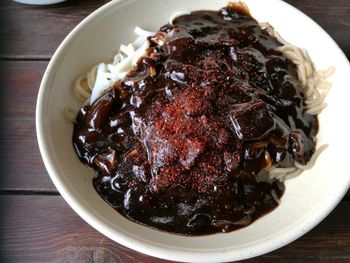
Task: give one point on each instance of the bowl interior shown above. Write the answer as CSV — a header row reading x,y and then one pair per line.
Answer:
x,y
308,198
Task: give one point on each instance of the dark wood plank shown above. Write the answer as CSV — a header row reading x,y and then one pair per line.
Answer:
x,y
35,32
21,166
333,16
45,229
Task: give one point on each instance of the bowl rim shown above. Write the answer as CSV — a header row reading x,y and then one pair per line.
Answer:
x,y
135,243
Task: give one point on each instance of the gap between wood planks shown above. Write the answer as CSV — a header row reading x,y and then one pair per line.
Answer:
x,y
26,58
29,192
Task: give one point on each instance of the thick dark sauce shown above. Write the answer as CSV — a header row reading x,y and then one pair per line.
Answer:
x,y
184,142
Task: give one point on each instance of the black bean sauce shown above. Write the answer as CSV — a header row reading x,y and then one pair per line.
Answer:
x,y
184,142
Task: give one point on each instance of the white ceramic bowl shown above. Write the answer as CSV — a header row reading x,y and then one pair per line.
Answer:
x,y
308,198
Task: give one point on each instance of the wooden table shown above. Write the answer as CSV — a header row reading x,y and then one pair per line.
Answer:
x,y
37,225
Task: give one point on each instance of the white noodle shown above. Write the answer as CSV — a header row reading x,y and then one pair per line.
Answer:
x,y
102,82
294,174
70,113
316,88
317,109
313,158
275,197
314,82
81,88
91,77
291,172
281,170
90,87
139,41
128,50
144,33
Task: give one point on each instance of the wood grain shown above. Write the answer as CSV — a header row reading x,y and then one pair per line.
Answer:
x,y
44,229
35,32
20,163
333,16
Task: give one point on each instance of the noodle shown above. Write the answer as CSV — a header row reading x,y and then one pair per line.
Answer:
x,y
82,89
313,158
288,173
316,88
91,86
275,197
70,114
313,81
